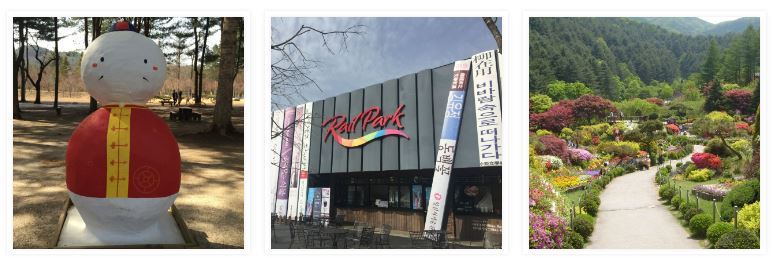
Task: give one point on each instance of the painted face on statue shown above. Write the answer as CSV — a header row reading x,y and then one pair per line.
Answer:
x,y
123,67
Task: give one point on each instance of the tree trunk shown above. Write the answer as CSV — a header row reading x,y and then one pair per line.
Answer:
x,y
195,24
221,122
738,156
25,66
96,23
490,23
146,27
201,65
17,70
56,60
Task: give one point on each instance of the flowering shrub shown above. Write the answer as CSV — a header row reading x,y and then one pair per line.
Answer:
x,y
706,160
750,217
546,230
716,191
551,162
566,182
552,145
700,175
672,128
580,155
742,126
620,149
595,164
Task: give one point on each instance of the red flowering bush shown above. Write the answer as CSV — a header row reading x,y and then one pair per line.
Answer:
x,y
554,146
706,160
656,101
742,126
557,117
740,99
672,128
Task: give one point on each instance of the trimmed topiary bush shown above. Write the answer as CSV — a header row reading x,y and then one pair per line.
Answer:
x,y
718,229
583,225
738,239
573,240
744,193
700,175
690,212
590,204
699,224
666,192
675,202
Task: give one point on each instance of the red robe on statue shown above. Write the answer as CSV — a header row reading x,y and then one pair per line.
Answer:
x,y
123,152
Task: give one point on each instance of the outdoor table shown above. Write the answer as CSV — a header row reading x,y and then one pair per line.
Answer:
x,y
435,236
335,233
185,113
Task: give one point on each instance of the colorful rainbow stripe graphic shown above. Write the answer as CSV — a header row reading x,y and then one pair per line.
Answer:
x,y
349,143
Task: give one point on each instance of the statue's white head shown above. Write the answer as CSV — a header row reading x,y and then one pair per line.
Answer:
x,y
123,67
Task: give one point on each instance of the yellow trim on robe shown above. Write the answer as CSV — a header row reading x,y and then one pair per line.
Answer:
x,y
118,153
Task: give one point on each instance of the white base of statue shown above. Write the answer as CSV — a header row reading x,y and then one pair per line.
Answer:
x,y
74,233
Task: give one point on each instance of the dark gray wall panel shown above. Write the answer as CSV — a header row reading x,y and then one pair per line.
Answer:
x,y
316,138
390,155
425,124
442,77
340,154
467,143
409,148
372,151
355,154
326,151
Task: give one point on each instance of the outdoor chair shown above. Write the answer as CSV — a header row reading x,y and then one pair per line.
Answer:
x,y
315,238
339,220
418,240
292,229
365,239
383,238
357,227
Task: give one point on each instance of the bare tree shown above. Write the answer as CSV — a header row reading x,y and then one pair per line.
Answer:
x,y
290,66
42,63
491,23
17,62
221,122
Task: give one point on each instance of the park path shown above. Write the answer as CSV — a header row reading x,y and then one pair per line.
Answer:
x,y
632,217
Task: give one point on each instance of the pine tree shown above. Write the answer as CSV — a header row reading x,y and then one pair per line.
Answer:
x,y
715,100
711,65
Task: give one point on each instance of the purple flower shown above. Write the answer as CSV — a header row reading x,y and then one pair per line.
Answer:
x,y
546,230
580,154
592,172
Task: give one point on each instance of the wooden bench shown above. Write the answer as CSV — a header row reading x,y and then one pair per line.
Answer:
x,y
196,116
172,115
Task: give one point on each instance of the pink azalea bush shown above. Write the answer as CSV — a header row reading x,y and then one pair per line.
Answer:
x,y
546,230
706,160
580,155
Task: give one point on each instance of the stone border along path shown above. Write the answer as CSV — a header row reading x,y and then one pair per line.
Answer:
x,y
631,215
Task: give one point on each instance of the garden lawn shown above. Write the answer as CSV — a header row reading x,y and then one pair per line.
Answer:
x,y
705,205
570,197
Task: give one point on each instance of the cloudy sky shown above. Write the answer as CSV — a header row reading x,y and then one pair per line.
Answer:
x,y
718,19
390,48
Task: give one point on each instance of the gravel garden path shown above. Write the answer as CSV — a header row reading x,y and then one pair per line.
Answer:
x,y
632,217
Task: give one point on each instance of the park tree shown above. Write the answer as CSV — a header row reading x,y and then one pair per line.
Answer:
x,y
711,65
715,100
591,108
18,60
554,119
491,24
221,122
559,90
740,100
44,30
539,103
716,124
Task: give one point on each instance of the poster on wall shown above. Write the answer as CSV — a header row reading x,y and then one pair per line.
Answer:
x,y
416,197
277,119
446,146
310,201
486,96
286,156
325,210
304,169
298,138
317,205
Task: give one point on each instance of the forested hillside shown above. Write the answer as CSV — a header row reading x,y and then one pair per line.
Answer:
x,y
621,58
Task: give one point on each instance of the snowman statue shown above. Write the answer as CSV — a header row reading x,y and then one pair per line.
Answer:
x,y
123,162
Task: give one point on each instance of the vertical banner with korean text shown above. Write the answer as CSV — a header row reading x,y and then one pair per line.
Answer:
x,y
298,138
325,210
317,203
310,201
445,157
286,156
486,95
304,170
277,119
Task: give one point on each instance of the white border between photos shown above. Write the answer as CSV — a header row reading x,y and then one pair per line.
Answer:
x,y
765,178
7,135
508,213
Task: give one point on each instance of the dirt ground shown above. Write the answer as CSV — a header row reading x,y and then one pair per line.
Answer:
x,y
211,198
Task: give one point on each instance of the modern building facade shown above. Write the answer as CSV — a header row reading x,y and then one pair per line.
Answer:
x,y
371,154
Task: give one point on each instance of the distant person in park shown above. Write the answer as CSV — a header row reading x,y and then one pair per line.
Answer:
x,y
174,97
180,98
